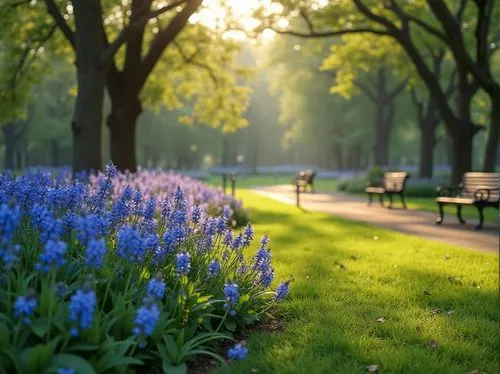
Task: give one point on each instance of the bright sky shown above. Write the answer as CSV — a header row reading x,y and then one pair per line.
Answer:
x,y
213,15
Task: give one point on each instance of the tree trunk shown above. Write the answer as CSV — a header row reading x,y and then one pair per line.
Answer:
x,y
491,150
381,140
55,153
10,145
87,120
462,156
427,144
122,123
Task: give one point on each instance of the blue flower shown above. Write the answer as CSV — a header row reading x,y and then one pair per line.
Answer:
x,y
52,256
183,263
237,243
131,244
92,226
238,352
149,210
66,371
228,238
264,242
111,171
262,260
156,287
196,214
266,277
232,297
221,224
248,235
281,291
81,308
96,250
146,319
213,268
180,199
9,220
24,308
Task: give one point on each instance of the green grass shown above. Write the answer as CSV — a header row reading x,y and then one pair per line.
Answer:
x,y
347,275
427,204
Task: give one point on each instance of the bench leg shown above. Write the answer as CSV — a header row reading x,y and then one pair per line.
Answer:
x,y
439,219
403,200
390,201
459,214
381,198
370,199
481,217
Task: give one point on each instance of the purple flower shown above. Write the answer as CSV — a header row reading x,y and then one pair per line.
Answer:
x,y
196,214
9,220
237,243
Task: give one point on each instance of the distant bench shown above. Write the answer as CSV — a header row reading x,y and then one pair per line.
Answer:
x,y
304,179
481,190
393,184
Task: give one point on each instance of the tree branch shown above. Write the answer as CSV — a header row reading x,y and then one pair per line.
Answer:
x,y
165,37
460,11
191,60
327,34
398,89
368,92
60,21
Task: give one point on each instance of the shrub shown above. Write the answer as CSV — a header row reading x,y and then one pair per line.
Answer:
x,y
108,277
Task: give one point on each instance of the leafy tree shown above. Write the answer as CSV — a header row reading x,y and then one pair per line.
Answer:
x,y
412,25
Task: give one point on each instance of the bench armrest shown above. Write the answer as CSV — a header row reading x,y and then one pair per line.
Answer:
x,y
449,191
483,194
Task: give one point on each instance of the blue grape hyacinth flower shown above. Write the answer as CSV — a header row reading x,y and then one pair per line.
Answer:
x,y
96,250
156,287
281,291
81,308
238,352
52,257
183,263
213,268
146,318
24,308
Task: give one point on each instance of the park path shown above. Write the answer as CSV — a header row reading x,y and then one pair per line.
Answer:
x,y
405,221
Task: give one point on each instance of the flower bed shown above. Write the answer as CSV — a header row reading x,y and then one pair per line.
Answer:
x,y
127,271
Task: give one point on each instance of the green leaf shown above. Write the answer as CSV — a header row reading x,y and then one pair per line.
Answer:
x,y
4,338
40,326
244,298
172,348
35,359
209,353
230,324
110,361
179,369
82,348
65,360
8,352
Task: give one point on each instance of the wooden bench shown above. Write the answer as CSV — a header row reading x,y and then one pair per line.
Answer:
x,y
304,179
393,184
481,190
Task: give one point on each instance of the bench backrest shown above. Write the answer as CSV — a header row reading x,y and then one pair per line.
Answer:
x,y
395,182
306,176
474,182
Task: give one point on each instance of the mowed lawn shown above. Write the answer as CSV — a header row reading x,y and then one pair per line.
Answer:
x,y
427,204
368,296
